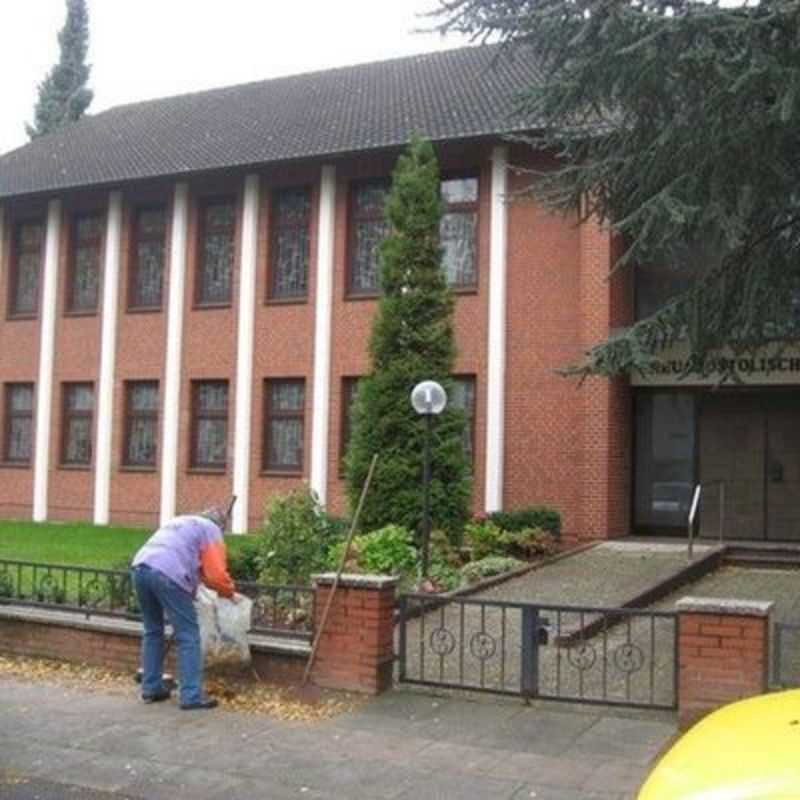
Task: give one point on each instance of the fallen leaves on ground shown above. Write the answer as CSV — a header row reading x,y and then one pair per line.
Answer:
x,y
235,693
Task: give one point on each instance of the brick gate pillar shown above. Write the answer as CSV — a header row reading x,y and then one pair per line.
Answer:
x,y
723,653
356,650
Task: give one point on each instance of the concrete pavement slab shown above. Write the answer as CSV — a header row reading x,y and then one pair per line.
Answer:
x,y
402,745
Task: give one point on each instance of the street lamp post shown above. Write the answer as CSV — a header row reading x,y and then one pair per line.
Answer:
x,y
429,399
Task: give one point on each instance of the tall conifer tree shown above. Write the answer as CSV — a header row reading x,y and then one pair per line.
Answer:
x,y
64,95
676,123
412,340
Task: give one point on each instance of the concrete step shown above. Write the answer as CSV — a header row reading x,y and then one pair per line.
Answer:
x,y
746,557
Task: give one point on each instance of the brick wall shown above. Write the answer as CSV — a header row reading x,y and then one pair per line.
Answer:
x,y
723,653
120,651
566,446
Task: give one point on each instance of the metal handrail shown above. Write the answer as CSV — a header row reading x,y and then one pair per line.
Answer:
x,y
695,505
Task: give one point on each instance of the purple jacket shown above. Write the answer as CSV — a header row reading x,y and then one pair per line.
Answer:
x,y
188,550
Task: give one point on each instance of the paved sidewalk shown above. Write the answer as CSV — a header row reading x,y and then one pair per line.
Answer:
x,y
403,745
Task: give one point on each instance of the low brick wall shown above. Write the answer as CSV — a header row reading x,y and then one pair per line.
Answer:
x,y
115,644
723,654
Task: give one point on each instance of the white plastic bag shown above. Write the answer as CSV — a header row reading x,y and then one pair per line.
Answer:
x,y
223,627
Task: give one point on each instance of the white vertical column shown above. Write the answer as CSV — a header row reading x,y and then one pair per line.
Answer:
x,y
496,370
322,334
172,369
44,386
108,357
244,354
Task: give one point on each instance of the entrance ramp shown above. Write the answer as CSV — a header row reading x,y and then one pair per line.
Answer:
x,y
617,574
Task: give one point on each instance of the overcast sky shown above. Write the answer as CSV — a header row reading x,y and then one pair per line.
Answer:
x,y
142,49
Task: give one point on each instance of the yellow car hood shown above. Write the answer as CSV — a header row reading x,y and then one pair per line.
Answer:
x,y
749,750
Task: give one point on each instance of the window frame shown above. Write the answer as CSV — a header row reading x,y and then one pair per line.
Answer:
x,y
133,262
98,245
274,228
131,416
349,385
13,273
66,415
352,218
202,229
465,208
268,468
195,465
471,420
9,416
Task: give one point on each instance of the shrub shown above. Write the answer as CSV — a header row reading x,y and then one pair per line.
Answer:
x,y
445,576
6,585
531,542
548,519
243,563
487,567
388,551
485,539
443,551
295,540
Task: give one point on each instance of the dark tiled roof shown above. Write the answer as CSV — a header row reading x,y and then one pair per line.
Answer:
x,y
453,94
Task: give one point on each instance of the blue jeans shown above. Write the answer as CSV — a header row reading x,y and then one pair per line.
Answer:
x,y
158,594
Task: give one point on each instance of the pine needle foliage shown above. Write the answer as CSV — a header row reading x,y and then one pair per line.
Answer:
x,y
411,341
63,96
677,124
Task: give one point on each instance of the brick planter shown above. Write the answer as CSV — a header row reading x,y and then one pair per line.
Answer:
x,y
723,652
356,649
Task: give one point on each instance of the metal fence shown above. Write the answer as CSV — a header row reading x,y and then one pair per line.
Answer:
x,y
785,655
277,610
580,654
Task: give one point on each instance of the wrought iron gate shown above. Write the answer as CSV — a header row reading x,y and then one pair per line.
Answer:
x,y
613,656
785,655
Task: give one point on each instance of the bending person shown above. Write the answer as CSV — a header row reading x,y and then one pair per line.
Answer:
x,y
167,571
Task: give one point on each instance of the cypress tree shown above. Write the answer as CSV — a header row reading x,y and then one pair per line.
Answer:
x,y
411,341
63,95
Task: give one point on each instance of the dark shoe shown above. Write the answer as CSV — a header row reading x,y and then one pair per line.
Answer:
x,y
158,697
209,702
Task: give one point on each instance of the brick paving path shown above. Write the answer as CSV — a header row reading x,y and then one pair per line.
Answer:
x,y
402,745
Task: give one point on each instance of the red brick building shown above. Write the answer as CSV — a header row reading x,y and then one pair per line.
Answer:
x,y
188,286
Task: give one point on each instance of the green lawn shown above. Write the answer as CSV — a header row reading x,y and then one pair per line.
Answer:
x,y
75,543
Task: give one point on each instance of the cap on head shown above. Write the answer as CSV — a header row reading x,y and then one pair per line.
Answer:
x,y
217,515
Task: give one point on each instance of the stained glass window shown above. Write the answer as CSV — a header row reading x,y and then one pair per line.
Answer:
x,y
77,424
18,447
291,243
147,268
87,246
463,398
217,248
210,424
285,425
26,270
369,228
141,424
349,397
458,231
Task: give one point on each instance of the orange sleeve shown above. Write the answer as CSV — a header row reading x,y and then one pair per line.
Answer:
x,y
214,569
